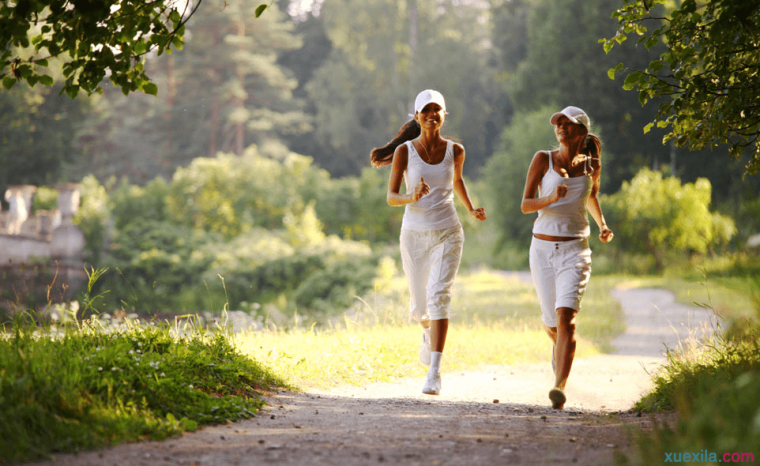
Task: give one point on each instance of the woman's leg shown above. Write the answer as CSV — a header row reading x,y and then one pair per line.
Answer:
x,y
438,330
445,259
564,352
573,263
415,259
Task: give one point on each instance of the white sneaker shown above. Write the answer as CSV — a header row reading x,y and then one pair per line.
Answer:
x,y
432,384
425,347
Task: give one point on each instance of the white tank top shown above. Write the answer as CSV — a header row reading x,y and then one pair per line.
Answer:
x,y
435,210
567,217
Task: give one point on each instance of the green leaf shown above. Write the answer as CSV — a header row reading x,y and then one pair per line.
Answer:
x,y
8,82
42,63
260,9
643,97
655,66
648,128
46,80
689,6
139,48
72,90
151,89
632,80
611,72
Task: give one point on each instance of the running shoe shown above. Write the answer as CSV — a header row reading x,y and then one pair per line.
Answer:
x,y
558,398
432,384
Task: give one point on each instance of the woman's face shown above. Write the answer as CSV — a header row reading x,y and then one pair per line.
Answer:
x,y
567,132
431,116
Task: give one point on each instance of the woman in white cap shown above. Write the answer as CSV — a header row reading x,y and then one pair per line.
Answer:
x,y
431,235
567,183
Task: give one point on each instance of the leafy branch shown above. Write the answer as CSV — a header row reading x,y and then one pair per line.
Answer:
x,y
708,71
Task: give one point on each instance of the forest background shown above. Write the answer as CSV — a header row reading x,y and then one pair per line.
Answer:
x,y
245,183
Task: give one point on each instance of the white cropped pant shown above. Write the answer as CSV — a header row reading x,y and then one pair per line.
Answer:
x,y
431,261
560,271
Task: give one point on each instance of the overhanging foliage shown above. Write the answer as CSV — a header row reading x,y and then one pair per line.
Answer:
x,y
710,69
95,39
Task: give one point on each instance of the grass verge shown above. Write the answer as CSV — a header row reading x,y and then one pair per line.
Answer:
x,y
82,387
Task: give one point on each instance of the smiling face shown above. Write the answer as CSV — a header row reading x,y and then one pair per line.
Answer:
x,y
431,116
567,132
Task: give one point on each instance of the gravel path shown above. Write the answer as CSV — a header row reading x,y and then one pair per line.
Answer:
x,y
495,415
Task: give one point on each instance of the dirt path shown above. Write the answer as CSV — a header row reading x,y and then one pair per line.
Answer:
x,y
496,415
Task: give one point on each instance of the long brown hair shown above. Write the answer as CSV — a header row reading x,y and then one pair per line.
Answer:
x,y
592,147
382,156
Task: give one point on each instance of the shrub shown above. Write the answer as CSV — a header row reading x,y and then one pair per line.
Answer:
x,y
660,216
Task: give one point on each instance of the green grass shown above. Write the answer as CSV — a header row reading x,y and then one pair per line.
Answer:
x,y
712,386
66,390
714,390
495,320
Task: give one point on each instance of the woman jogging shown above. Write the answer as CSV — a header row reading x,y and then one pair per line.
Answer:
x,y
431,236
567,182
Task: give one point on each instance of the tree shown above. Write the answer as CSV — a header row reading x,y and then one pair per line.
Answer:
x,y
100,38
565,65
709,71
383,53
504,175
223,93
660,216
37,129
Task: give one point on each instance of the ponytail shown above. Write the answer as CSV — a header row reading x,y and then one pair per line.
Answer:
x,y
381,156
592,146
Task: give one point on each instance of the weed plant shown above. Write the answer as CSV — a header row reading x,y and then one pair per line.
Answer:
x,y
85,386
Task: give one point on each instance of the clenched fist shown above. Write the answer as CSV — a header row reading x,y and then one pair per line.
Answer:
x,y
420,190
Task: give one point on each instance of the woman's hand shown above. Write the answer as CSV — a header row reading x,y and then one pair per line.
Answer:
x,y
559,193
420,190
605,235
479,213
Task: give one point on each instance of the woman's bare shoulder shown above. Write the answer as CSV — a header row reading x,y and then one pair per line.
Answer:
x,y
541,158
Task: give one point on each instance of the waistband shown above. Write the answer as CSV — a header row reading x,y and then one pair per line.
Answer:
x,y
544,245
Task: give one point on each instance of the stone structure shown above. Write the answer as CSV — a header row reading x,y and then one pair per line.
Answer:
x,y
40,253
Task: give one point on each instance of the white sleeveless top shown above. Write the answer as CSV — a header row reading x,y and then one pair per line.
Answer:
x,y
567,217
435,210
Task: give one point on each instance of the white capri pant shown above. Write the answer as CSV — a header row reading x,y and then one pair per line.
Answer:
x,y
431,261
560,273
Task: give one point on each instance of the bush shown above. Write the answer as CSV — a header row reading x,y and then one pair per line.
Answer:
x,y
151,262
336,287
662,217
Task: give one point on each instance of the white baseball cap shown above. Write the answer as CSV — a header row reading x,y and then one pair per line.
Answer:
x,y
428,96
574,114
